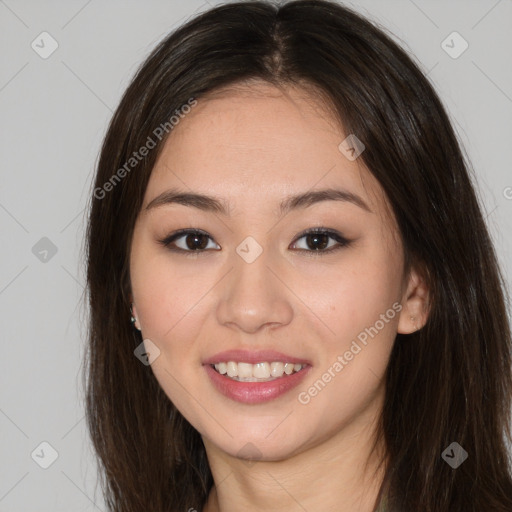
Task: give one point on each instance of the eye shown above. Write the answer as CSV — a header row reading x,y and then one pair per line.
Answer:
x,y
193,240
317,240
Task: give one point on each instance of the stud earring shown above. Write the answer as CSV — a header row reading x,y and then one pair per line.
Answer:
x,y
133,319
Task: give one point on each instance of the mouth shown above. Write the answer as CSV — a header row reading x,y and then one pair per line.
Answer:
x,y
256,383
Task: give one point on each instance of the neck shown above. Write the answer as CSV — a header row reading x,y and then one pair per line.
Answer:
x,y
340,474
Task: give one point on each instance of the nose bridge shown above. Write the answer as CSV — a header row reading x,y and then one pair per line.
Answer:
x,y
253,296
251,267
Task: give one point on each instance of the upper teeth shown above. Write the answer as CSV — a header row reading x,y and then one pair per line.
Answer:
x,y
262,370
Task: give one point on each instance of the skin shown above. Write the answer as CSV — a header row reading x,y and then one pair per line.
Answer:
x,y
252,146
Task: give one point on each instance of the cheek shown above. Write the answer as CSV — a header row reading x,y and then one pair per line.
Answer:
x,y
354,296
166,293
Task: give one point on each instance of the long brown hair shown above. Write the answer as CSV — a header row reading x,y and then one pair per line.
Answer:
x,y
451,381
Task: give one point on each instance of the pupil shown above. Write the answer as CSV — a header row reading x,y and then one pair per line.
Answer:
x,y
194,245
318,236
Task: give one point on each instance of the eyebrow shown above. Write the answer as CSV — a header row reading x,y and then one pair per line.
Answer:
x,y
217,205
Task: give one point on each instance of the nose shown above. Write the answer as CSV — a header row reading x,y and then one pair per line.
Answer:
x,y
253,297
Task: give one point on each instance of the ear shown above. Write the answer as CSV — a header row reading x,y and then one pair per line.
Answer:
x,y
415,303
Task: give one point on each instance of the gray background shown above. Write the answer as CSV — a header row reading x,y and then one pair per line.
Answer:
x,y
54,113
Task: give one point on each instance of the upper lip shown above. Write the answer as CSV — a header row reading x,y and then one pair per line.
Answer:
x,y
253,357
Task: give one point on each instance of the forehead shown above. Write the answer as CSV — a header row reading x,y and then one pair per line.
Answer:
x,y
258,143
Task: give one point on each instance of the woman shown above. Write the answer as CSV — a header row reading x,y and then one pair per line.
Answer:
x,y
318,316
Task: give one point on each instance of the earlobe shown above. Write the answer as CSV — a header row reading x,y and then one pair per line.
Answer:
x,y
415,304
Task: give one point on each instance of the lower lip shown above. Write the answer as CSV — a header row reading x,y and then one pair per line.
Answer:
x,y
255,392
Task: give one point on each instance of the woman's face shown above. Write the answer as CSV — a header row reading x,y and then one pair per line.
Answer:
x,y
252,281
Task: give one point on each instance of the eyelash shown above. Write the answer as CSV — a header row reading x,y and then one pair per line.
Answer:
x,y
342,242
